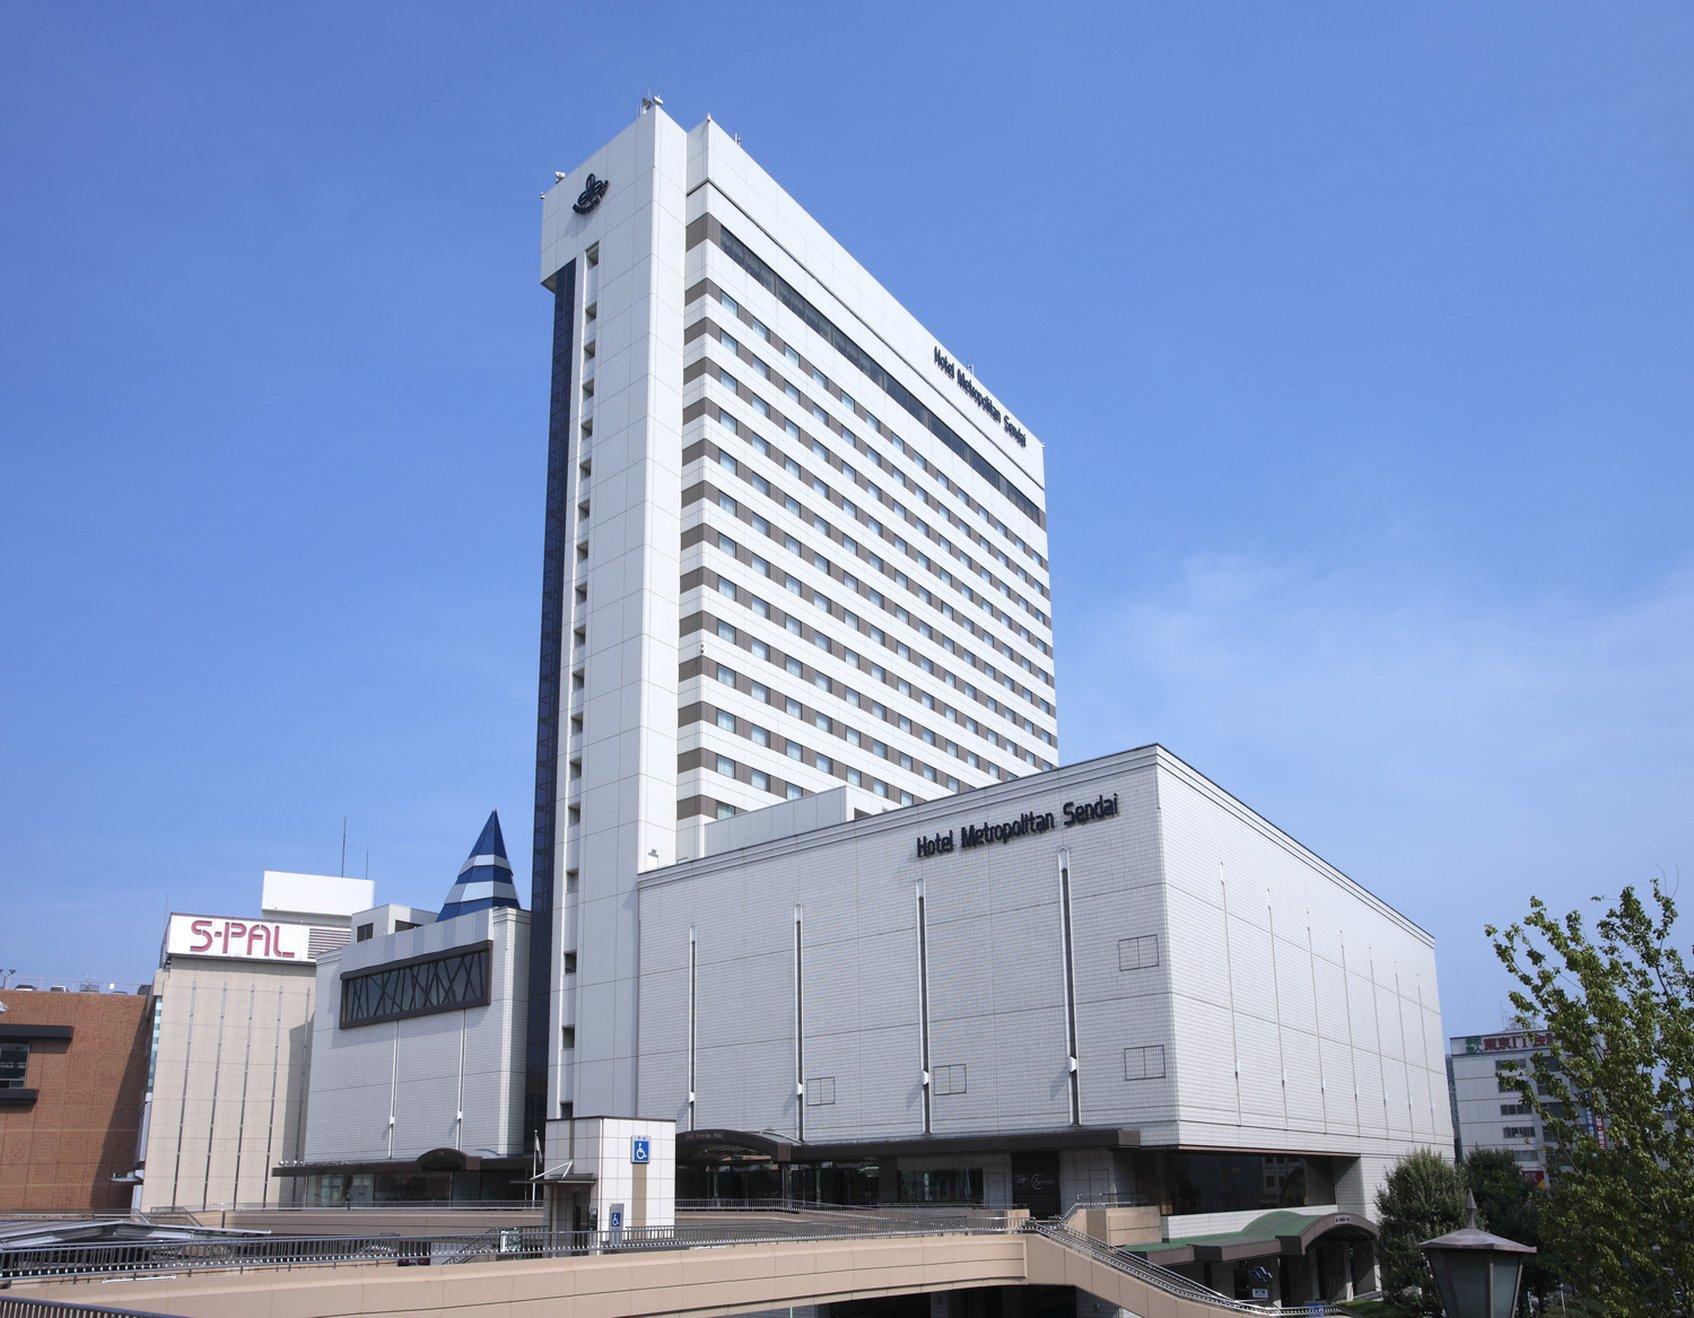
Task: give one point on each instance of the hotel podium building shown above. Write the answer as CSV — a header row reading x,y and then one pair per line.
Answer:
x,y
808,883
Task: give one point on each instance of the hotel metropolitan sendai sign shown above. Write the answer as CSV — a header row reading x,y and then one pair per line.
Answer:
x,y
1028,824
980,396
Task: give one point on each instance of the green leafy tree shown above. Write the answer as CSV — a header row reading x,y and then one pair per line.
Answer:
x,y
1424,1197
1616,1094
1511,1207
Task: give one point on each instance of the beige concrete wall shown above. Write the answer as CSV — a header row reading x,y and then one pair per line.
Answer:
x,y
1120,1226
229,1082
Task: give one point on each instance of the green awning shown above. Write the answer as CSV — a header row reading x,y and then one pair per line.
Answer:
x,y
1283,1231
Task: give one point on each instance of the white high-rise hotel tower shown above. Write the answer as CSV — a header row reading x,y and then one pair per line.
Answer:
x,y
791,545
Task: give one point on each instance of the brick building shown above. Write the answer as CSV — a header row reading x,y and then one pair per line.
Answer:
x,y
73,1074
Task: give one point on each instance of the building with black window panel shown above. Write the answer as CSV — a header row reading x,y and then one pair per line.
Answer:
x,y
416,1087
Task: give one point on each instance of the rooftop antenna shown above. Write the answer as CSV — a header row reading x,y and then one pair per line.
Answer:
x,y
367,865
651,101
342,872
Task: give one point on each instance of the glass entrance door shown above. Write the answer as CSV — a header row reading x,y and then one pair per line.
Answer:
x,y
1035,1183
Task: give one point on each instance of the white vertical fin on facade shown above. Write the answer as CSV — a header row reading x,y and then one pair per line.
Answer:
x,y
1276,1006
1229,979
923,1011
1067,948
1317,1025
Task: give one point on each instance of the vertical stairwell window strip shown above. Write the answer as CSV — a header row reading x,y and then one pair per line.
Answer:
x,y
554,571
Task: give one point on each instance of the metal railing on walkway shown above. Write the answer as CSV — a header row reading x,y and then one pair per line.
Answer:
x,y
1163,1279
245,1253
780,1205
253,1253
387,1206
773,1204
1108,1201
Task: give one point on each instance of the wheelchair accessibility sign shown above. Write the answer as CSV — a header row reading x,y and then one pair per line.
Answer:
x,y
640,1149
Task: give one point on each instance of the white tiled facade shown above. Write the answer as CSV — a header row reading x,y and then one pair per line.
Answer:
x,y
390,1091
625,1193
797,555
1229,990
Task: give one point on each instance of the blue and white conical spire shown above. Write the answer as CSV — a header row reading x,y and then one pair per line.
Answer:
x,y
485,879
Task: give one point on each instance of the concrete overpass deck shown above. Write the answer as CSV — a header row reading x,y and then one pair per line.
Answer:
x,y
701,1281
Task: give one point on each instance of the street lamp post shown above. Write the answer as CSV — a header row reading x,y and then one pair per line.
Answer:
x,y
1477,1273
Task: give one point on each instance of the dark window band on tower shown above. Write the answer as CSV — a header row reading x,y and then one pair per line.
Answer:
x,y
554,570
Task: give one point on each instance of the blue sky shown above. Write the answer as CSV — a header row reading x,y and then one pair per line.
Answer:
x,y
1359,336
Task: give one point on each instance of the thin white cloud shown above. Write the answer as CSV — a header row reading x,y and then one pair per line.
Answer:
x,y
1452,750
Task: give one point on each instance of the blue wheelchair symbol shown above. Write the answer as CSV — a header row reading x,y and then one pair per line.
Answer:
x,y
640,1150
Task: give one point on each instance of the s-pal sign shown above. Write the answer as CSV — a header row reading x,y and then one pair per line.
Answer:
x,y
249,940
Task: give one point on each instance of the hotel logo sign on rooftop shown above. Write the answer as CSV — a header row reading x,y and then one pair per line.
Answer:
x,y
961,377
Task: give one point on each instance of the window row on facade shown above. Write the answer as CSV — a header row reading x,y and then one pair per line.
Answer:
x,y
748,683
902,650
763,780
833,728
813,487
707,288
708,493
796,406
709,229
794,662
900,505
792,748
796,667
